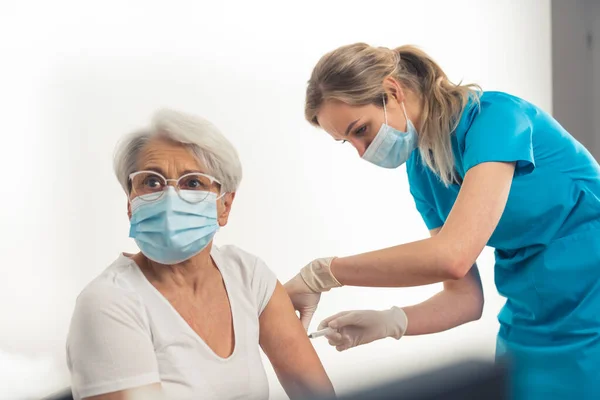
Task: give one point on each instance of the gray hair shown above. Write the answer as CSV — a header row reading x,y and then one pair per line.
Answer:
x,y
203,138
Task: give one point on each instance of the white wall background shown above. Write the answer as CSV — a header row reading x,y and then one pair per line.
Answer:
x,y
576,69
75,77
595,30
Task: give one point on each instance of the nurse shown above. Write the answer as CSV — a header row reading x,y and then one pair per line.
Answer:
x,y
484,168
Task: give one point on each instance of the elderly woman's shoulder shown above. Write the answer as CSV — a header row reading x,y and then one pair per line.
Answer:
x,y
238,260
234,256
108,310
113,288
249,271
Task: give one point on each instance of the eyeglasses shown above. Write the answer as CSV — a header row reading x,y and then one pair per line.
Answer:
x,y
193,188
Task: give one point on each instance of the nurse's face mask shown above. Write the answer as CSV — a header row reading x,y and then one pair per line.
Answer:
x,y
391,147
173,223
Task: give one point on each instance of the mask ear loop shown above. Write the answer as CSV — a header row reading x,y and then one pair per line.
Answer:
x,y
403,109
405,114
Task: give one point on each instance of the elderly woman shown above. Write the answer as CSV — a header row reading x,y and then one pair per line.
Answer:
x,y
182,318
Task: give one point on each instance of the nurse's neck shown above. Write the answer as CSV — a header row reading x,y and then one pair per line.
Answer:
x,y
194,273
414,109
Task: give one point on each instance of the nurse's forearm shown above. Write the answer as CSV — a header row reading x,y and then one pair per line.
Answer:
x,y
412,264
459,303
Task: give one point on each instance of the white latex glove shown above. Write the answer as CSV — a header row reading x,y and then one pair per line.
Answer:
x,y
354,328
305,288
303,298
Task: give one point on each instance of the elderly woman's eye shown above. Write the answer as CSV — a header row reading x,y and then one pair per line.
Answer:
x,y
194,183
152,183
198,182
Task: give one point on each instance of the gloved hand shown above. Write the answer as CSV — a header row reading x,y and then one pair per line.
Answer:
x,y
305,288
354,328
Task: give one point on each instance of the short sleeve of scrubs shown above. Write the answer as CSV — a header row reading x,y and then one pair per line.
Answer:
x,y
422,193
501,132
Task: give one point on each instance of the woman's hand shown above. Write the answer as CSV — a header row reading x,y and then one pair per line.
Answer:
x,y
305,288
305,301
353,328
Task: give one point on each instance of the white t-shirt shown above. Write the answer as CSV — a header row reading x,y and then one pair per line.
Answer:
x,y
124,334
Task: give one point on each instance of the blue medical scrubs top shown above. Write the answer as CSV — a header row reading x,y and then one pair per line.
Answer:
x,y
547,243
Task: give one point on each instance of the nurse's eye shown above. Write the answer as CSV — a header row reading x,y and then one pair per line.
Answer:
x,y
360,131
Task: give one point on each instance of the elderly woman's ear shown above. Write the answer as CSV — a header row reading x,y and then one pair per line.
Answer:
x,y
224,207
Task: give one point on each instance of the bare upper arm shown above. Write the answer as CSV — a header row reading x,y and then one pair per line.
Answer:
x,y
470,283
284,341
476,213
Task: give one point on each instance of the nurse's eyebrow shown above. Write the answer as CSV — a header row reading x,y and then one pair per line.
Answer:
x,y
349,128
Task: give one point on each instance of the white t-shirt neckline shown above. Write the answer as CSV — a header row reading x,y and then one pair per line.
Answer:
x,y
184,325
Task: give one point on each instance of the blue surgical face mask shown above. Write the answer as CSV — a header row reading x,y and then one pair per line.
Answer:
x,y
391,147
171,230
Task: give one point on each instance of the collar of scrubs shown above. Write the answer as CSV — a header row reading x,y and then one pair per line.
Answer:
x,y
468,114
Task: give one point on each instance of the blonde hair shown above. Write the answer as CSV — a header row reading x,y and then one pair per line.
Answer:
x,y
354,74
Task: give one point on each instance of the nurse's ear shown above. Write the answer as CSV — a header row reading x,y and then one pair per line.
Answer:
x,y
394,90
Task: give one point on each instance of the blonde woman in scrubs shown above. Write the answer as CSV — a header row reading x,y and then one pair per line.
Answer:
x,y
484,168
